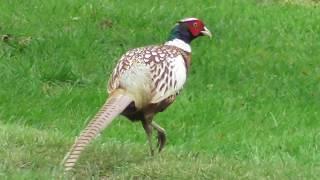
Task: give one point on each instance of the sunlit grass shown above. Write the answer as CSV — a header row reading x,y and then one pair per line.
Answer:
x,y
250,108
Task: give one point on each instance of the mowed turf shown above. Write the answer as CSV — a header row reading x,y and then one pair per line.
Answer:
x,y
250,108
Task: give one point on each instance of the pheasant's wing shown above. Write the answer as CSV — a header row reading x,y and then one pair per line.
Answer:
x,y
169,78
165,71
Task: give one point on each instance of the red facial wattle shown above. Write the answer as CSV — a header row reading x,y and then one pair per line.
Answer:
x,y
195,27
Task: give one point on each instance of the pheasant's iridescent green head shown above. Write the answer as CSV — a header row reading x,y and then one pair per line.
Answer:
x,y
188,29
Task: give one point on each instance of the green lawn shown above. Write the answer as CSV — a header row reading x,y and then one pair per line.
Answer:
x,y
250,109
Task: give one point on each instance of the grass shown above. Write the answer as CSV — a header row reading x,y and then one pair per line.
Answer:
x,y
250,109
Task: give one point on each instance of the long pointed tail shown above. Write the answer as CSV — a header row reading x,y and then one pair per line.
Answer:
x,y
112,107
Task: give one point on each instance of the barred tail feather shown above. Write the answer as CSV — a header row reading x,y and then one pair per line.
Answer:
x,y
112,107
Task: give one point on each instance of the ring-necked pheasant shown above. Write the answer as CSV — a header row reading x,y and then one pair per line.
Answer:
x,y
145,81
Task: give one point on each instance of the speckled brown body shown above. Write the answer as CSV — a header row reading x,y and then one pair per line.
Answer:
x,y
155,57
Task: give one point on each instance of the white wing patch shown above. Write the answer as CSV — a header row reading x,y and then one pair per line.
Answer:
x,y
180,72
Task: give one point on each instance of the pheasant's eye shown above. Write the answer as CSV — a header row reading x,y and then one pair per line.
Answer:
x,y
195,25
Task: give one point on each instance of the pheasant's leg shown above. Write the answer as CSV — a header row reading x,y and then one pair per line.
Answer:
x,y
148,128
161,135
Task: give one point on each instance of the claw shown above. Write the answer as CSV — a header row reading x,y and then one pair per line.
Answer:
x,y
161,135
161,140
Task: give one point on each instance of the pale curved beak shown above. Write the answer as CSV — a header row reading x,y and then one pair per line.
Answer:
x,y
206,32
